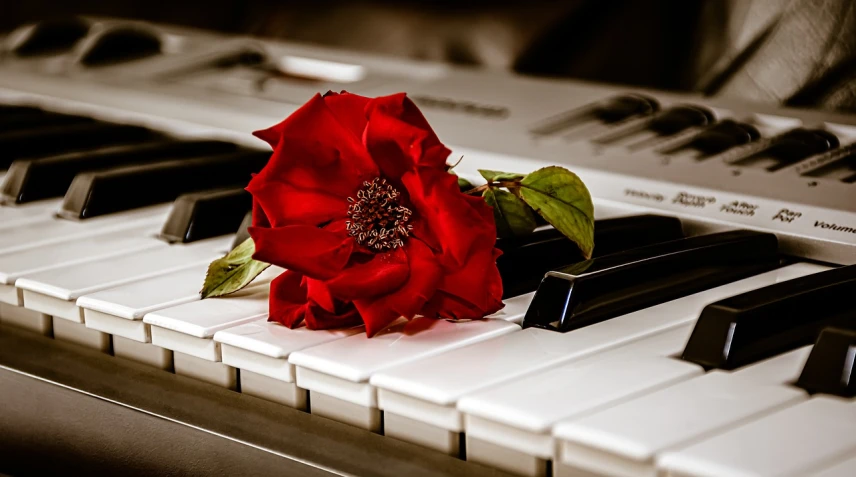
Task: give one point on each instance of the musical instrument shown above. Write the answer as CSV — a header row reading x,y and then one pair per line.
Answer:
x,y
711,334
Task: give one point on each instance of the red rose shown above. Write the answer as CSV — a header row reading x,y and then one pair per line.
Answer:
x,y
356,203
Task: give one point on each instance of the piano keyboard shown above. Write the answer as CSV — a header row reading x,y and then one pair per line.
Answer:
x,y
712,334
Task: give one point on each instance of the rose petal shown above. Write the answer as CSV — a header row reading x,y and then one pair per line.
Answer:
x,y
473,291
318,292
284,204
407,301
370,275
318,318
349,110
316,253
456,222
259,217
287,302
315,151
399,138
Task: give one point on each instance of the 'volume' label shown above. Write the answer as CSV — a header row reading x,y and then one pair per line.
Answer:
x,y
835,227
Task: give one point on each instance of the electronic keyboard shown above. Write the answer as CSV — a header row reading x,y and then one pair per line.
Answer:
x,y
712,333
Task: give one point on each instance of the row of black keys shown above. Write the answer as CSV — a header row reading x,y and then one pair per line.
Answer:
x,y
103,168
640,261
717,137
644,261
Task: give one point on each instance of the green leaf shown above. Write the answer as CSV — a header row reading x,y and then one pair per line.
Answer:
x,y
494,176
513,216
464,184
234,271
563,200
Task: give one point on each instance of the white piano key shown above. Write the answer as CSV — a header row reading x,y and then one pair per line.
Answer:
x,y
145,353
793,441
77,333
260,349
20,317
624,440
264,347
55,291
844,468
427,391
271,389
515,308
57,230
519,415
188,330
19,264
707,405
781,369
342,369
204,370
18,215
120,310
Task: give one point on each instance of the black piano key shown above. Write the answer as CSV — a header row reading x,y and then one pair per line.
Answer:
x,y
718,138
203,215
243,230
52,37
830,367
761,323
126,43
605,287
60,139
609,111
46,177
103,192
790,147
20,122
525,260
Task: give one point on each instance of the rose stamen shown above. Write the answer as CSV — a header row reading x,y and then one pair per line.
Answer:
x,y
376,219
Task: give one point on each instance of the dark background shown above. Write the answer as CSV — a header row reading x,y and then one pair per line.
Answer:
x,y
798,52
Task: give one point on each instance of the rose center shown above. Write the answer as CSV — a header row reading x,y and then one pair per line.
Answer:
x,y
376,219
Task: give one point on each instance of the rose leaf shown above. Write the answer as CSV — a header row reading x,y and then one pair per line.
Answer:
x,y
494,176
464,185
513,217
559,196
233,272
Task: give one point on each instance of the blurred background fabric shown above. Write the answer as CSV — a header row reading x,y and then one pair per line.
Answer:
x,y
796,52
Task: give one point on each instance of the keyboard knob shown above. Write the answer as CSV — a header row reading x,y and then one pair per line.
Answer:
x,y
623,107
121,44
679,118
50,37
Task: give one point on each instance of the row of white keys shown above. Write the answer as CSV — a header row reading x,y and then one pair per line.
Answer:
x,y
626,439
428,394
260,349
188,330
509,426
55,292
337,374
56,230
18,215
20,264
119,311
795,441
